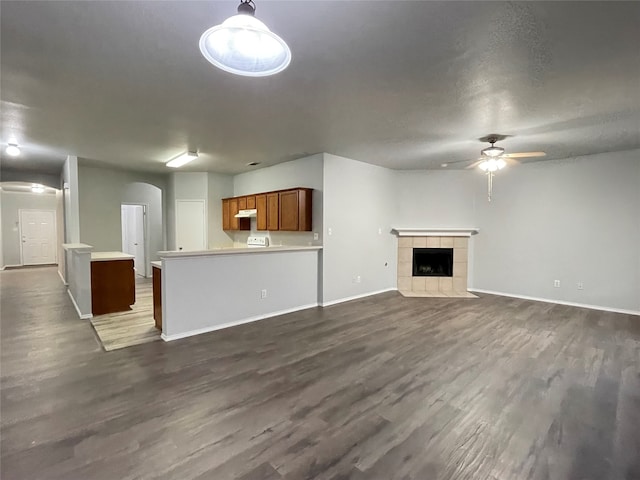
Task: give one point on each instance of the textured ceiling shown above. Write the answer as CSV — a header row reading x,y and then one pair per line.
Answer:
x,y
400,84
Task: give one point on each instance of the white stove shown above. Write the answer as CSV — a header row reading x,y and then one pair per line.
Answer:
x,y
257,242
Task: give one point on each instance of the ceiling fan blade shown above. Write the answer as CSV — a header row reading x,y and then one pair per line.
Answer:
x,y
524,155
475,164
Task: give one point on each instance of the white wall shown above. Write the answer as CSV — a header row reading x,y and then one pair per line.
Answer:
x,y
11,203
433,198
102,192
573,220
210,292
359,209
219,187
304,172
69,180
62,258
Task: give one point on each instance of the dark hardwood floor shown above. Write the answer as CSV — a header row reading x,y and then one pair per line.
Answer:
x,y
381,388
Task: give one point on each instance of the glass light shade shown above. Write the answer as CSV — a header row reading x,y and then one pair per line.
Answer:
x,y
13,150
492,164
493,151
37,188
244,45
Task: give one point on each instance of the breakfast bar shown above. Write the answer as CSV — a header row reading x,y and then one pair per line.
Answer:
x,y
209,290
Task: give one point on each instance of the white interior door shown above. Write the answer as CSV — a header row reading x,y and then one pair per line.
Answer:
x,y
190,225
38,236
133,238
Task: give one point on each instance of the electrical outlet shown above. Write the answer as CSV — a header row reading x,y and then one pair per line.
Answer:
x,y
263,293
580,286
358,279
379,231
329,231
315,236
556,283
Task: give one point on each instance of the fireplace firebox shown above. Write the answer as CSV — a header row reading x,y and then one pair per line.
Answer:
x,y
433,262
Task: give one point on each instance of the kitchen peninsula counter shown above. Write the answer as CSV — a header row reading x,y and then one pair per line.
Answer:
x,y
234,251
208,290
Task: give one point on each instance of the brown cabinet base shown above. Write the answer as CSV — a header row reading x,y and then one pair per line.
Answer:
x,y
157,297
113,286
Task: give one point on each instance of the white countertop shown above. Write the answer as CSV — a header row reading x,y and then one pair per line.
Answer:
x,y
76,246
157,263
107,256
234,251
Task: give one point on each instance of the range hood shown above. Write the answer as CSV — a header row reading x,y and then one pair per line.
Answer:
x,y
252,212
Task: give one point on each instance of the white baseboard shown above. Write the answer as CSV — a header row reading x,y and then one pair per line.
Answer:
x,y
80,314
559,302
355,297
190,333
11,266
62,278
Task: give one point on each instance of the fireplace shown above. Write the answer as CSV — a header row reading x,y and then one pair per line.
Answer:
x,y
442,275
433,262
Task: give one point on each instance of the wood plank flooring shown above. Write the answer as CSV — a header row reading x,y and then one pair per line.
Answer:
x,y
133,327
384,387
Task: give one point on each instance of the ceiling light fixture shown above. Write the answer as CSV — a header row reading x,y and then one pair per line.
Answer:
x,y
243,45
183,159
13,150
492,164
35,188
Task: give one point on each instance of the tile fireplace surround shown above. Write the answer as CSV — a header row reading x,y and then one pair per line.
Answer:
x,y
456,286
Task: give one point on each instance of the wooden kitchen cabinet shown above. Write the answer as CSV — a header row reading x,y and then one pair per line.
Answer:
x,y
295,210
226,217
284,210
261,207
234,223
273,209
113,286
157,296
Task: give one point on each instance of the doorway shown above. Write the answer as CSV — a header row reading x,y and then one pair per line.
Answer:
x,y
133,235
37,237
191,232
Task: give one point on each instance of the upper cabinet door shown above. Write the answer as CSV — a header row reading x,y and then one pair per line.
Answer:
x,y
261,206
273,223
251,202
242,203
226,224
289,210
234,223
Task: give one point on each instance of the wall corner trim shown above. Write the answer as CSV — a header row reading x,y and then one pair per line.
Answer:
x,y
558,302
80,314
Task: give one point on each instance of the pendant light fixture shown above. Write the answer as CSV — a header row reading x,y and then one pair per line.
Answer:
x,y
243,45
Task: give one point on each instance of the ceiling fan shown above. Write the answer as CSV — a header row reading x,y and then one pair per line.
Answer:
x,y
493,159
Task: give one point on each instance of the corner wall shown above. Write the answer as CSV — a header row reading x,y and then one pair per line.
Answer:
x,y
102,191
359,254
573,220
304,172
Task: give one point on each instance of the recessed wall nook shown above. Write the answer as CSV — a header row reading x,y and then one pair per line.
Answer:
x,y
433,262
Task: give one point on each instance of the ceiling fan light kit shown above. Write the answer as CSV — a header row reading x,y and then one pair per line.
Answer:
x,y
243,45
12,150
